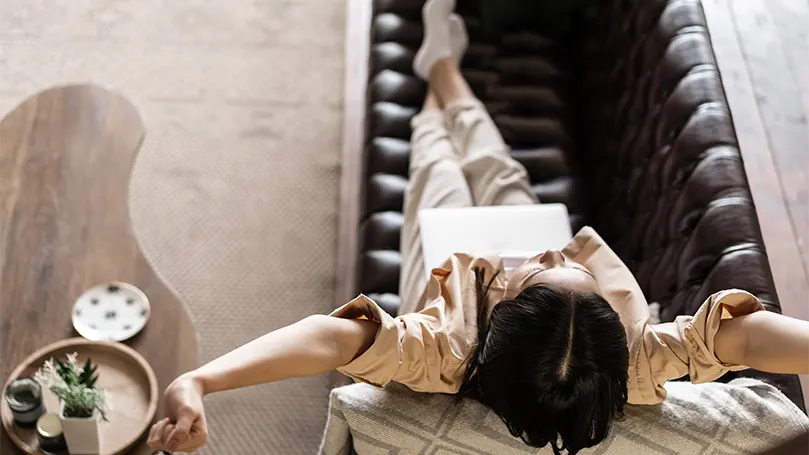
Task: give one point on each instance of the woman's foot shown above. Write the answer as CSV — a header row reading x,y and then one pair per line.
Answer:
x,y
458,39
437,37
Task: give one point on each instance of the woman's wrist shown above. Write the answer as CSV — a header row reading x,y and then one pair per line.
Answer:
x,y
198,381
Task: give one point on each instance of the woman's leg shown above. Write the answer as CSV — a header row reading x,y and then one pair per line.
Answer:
x,y
493,176
436,180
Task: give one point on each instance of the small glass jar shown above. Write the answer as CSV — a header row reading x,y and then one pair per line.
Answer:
x,y
24,398
50,435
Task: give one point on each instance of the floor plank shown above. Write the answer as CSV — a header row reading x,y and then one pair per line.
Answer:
x,y
359,14
768,54
761,51
780,236
791,18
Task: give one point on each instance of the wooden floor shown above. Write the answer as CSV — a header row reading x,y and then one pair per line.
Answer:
x,y
762,48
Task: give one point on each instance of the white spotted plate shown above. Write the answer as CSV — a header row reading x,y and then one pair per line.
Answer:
x,y
111,312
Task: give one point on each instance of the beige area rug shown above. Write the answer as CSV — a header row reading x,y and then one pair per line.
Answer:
x,y
235,191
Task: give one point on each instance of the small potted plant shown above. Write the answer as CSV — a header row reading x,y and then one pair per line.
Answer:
x,y
81,406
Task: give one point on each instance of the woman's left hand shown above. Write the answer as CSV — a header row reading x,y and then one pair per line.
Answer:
x,y
184,428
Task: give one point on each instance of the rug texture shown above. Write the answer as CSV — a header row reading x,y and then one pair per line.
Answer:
x,y
235,190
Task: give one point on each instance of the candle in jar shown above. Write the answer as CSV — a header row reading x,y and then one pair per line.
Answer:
x,y
50,435
24,398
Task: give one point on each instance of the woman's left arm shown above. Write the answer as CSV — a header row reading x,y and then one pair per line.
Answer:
x,y
764,341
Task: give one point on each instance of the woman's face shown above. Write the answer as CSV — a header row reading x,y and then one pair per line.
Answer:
x,y
553,269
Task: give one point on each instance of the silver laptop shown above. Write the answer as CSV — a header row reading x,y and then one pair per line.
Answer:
x,y
514,231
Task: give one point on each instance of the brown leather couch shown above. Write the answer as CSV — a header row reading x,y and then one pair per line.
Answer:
x,y
626,124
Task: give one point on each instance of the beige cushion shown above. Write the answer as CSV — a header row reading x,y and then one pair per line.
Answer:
x,y
745,416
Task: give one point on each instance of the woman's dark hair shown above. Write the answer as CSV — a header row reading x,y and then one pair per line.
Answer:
x,y
552,364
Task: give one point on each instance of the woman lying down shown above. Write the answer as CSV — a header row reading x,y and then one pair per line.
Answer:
x,y
556,346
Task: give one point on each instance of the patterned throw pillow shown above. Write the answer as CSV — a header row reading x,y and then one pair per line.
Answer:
x,y
744,416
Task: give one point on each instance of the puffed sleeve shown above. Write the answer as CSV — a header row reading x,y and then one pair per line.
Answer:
x,y
378,364
426,351
686,346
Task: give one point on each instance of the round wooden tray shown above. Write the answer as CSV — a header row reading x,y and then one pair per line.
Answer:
x,y
122,371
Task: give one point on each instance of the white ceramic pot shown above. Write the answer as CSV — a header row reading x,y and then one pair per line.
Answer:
x,y
83,435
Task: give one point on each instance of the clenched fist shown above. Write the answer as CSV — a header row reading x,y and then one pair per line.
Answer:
x,y
184,428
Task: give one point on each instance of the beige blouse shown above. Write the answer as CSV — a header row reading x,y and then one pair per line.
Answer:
x,y
426,350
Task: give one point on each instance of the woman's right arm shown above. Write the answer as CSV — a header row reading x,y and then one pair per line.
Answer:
x,y
765,341
311,346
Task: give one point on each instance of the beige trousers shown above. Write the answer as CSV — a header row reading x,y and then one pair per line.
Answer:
x,y
458,159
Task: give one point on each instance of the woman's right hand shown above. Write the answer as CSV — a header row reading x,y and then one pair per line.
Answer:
x,y
184,428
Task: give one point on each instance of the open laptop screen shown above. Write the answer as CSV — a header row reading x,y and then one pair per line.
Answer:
x,y
510,231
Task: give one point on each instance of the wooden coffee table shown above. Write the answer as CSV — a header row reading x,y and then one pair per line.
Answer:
x,y
66,155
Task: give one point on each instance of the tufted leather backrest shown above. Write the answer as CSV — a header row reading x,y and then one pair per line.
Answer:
x,y
626,123
665,179
672,195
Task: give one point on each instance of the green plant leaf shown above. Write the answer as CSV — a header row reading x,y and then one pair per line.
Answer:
x,y
89,377
77,389
66,373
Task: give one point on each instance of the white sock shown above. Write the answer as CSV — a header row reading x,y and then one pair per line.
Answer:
x,y
436,44
458,39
